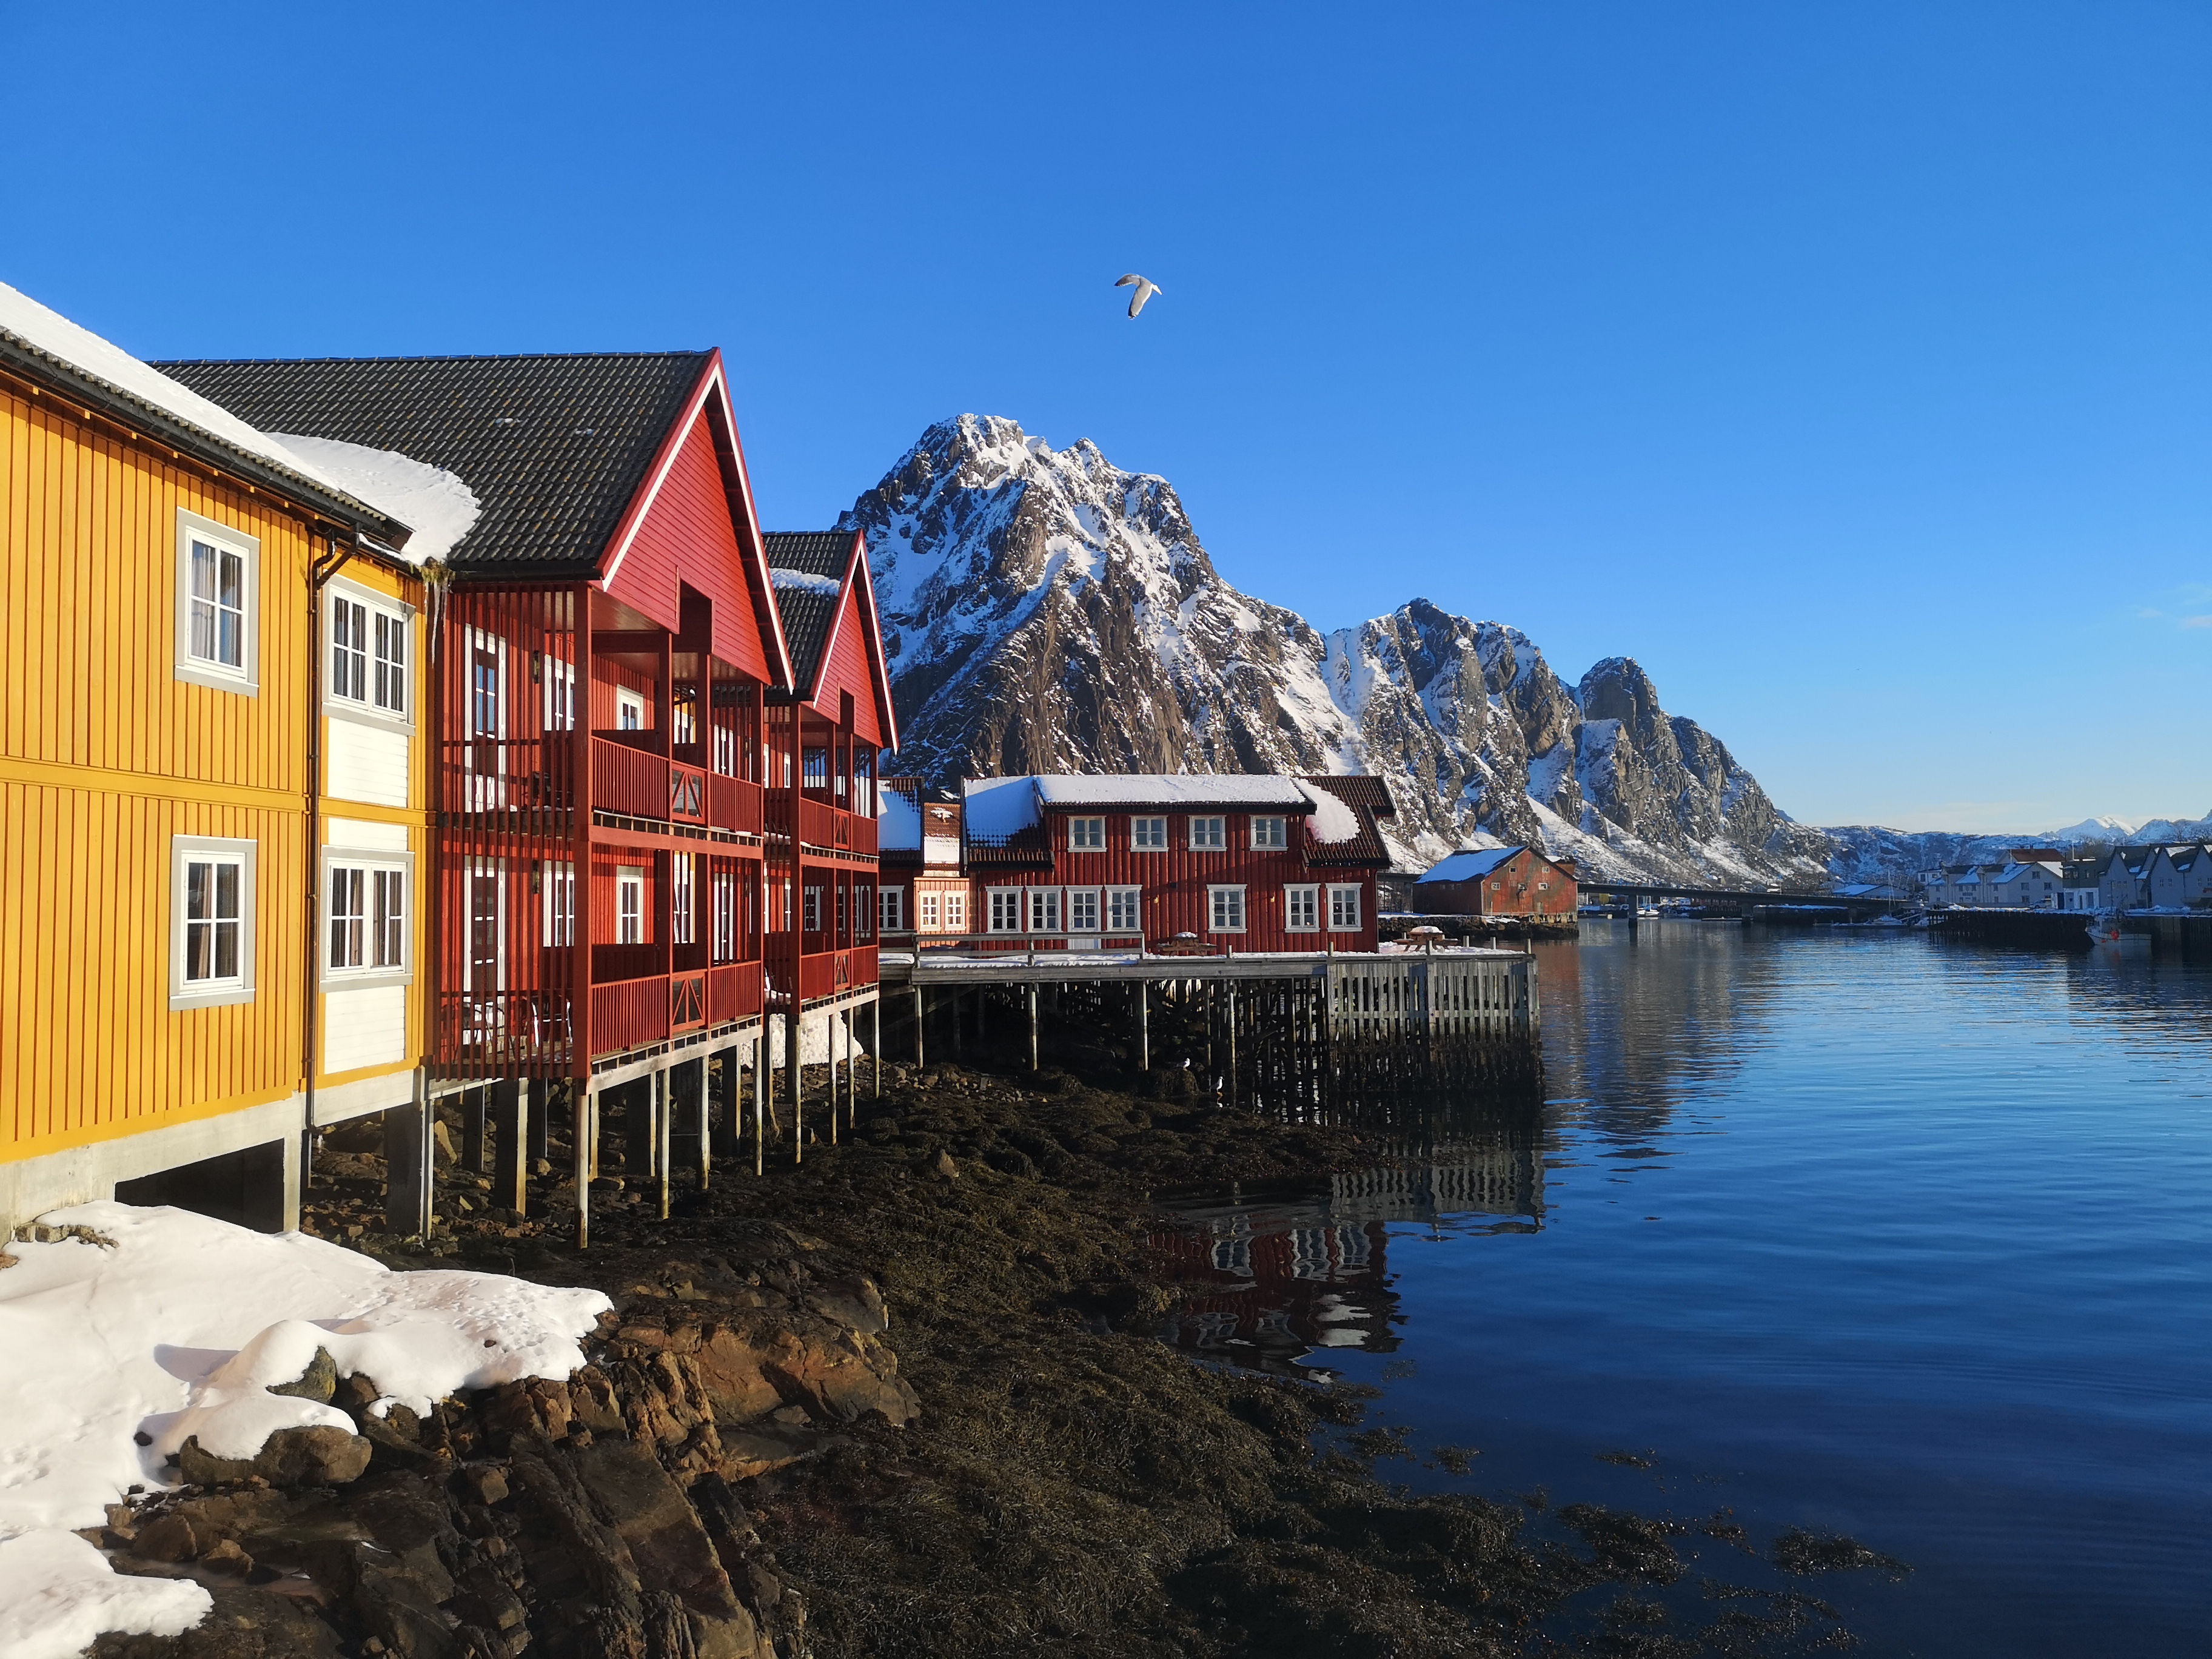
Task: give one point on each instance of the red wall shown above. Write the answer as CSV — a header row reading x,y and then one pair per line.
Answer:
x,y
688,537
848,667
1508,890
1175,882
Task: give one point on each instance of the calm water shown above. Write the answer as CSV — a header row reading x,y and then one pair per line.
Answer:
x,y
1855,1232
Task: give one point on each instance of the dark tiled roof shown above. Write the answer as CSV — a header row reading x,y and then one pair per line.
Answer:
x,y
1369,799
806,613
554,447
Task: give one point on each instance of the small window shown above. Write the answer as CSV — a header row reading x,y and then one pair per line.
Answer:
x,y
1226,905
1123,910
1208,834
1344,909
1302,909
218,581
629,904
895,909
558,884
560,696
1269,834
1006,909
726,915
368,653
956,912
212,921
928,905
366,929
1044,910
1086,835
813,902
1149,835
629,710
1083,909
683,915
841,891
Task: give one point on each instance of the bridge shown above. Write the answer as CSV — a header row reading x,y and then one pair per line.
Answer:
x,y
1635,892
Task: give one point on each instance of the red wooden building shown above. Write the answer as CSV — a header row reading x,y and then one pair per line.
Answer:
x,y
1209,861
654,816
1496,881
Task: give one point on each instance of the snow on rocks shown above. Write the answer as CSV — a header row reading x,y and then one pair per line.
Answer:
x,y
57,1595
160,1324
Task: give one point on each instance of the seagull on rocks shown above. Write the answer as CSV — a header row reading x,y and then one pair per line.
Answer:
x,y
1145,288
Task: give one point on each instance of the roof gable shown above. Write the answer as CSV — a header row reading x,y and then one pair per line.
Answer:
x,y
826,596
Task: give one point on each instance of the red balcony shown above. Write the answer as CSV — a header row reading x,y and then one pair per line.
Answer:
x,y
629,1013
734,804
687,794
821,824
686,1001
629,780
733,992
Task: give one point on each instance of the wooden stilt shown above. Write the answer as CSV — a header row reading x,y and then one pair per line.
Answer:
x,y
1033,1028
1144,1026
664,1125
760,1095
704,1110
510,1110
586,1126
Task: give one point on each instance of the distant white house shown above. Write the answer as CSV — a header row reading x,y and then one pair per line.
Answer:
x,y
2125,882
2024,887
2176,877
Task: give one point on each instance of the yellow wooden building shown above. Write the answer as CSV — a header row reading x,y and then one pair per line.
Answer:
x,y
202,957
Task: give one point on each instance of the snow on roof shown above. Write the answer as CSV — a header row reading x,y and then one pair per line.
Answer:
x,y
1334,822
1000,806
175,1325
1171,789
1471,862
440,505
50,335
898,823
804,581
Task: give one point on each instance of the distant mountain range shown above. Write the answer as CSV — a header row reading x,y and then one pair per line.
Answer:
x,y
1046,610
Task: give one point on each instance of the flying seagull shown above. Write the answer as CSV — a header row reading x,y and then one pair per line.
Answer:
x,y
1145,288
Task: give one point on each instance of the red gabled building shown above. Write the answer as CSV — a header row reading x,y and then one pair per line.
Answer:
x,y
1497,881
826,724
634,784
1212,861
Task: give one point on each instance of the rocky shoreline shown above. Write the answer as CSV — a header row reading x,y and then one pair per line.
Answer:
x,y
904,1399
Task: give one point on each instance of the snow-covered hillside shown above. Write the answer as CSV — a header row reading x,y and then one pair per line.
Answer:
x,y
1046,610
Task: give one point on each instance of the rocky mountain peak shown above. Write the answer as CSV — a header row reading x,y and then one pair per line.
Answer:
x,y
1047,611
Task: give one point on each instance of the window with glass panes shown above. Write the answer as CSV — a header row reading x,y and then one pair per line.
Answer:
x,y
1226,905
1344,909
218,605
1269,834
1044,910
1302,909
1208,834
1086,835
1149,835
1083,909
1123,909
214,921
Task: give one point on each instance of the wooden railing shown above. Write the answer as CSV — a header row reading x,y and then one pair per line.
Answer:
x,y
733,992
821,824
503,1031
734,804
627,1014
833,973
629,780
686,1001
687,794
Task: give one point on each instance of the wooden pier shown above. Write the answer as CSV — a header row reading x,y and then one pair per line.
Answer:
x,y
1257,1030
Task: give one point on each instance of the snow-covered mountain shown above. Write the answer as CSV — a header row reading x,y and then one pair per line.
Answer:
x,y
1046,610
1868,853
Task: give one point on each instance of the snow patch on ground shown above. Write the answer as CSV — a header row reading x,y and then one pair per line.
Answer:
x,y
58,1595
175,1325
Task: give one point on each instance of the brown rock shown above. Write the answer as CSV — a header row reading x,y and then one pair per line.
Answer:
x,y
323,1456
228,1558
170,1537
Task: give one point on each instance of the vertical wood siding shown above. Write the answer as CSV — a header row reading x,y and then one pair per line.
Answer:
x,y
849,666
688,535
88,1047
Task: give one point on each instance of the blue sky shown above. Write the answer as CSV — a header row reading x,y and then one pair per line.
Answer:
x,y
1848,366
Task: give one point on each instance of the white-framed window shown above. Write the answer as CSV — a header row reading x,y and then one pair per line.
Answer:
x,y
1224,907
1208,834
1269,834
1044,910
369,634
724,909
1302,909
218,604
1083,909
928,911
1149,835
810,899
1006,909
367,901
893,905
1086,835
956,912
1344,909
558,885
560,695
1124,912
629,709
210,921
629,904
682,893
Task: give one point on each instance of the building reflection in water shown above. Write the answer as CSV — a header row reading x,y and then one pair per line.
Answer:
x,y
1272,1280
